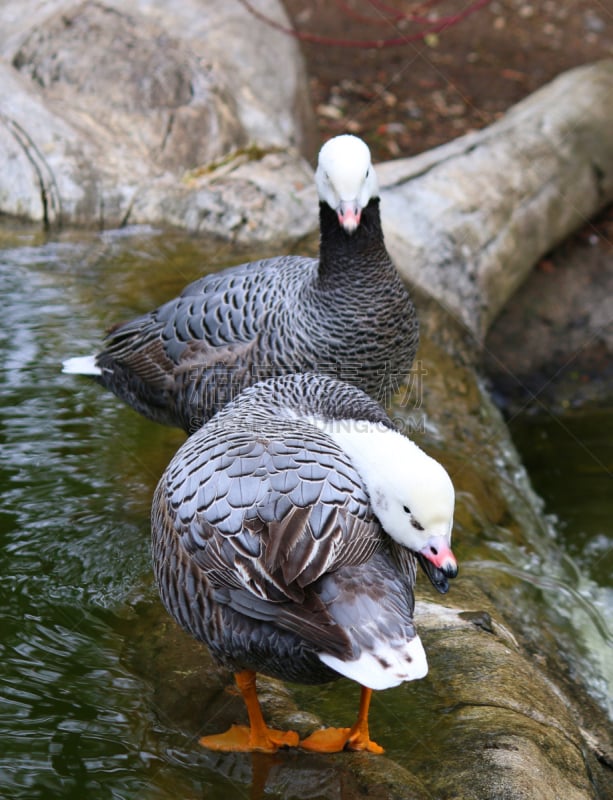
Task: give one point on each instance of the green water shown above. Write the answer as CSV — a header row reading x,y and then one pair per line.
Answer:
x,y
87,707
570,461
77,472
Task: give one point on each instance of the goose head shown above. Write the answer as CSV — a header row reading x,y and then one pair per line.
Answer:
x,y
346,179
410,492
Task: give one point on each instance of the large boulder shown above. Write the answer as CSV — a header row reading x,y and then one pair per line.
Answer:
x,y
131,111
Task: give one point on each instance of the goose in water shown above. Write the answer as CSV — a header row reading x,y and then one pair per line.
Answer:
x,y
284,536
345,314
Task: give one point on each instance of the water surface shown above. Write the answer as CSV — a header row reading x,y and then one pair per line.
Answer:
x,y
570,460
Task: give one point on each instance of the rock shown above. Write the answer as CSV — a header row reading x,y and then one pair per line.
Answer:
x,y
467,221
552,344
244,199
110,111
498,736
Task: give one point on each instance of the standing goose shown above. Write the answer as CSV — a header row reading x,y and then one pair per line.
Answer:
x,y
284,534
346,314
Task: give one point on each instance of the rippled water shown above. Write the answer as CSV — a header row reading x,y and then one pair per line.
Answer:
x,y
77,472
86,707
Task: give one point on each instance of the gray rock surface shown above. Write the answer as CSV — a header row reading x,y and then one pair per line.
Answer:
x,y
552,344
145,112
122,112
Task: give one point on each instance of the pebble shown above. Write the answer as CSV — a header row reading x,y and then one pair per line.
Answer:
x,y
592,22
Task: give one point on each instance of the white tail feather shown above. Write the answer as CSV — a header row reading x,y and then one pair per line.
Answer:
x,y
81,365
388,666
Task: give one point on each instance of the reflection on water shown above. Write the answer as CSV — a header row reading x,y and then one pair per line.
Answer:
x,y
81,708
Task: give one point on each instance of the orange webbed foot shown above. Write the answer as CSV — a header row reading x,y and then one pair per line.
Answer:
x,y
358,741
242,739
334,740
326,740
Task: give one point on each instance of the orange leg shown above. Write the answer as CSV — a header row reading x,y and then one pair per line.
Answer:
x,y
258,736
333,740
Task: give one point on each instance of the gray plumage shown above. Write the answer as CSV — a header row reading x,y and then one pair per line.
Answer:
x,y
345,314
265,544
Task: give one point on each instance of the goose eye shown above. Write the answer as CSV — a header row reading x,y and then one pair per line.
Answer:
x,y
406,509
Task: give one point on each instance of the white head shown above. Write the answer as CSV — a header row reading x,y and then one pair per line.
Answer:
x,y
345,178
411,493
